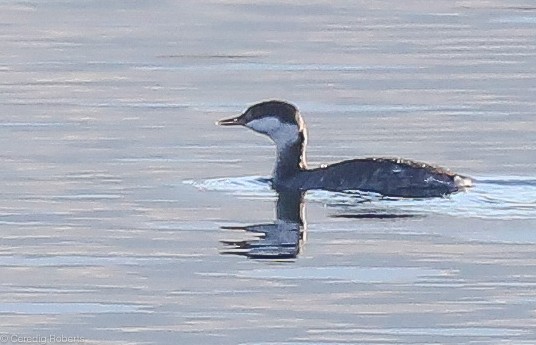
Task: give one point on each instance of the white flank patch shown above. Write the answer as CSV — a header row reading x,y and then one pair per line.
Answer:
x,y
462,181
283,134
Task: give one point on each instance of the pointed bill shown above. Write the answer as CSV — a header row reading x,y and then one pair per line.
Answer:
x,y
235,121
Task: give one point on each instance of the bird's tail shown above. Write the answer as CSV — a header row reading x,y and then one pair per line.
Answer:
x,y
463,182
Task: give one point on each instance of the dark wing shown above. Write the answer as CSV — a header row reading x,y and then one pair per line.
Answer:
x,y
387,176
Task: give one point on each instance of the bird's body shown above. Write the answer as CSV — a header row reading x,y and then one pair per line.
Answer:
x,y
396,177
390,177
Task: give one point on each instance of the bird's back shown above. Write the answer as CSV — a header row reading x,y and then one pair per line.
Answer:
x,y
387,176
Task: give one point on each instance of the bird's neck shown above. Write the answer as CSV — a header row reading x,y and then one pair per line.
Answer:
x,y
290,157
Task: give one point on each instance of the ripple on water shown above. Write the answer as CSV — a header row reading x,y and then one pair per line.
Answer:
x,y
505,197
347,274
516,20
84,260
445,332
30,308
255,186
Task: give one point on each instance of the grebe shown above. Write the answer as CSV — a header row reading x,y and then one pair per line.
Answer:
x,y
282,122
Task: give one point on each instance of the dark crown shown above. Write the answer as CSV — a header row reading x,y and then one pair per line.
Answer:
x,y
284,111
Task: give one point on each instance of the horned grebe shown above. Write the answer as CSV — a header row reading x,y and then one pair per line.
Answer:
x,y
282,122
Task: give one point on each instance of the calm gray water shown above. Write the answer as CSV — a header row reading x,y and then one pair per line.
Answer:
x,y
121,203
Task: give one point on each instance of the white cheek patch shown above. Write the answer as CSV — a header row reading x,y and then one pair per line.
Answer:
x,y
266,125
283,134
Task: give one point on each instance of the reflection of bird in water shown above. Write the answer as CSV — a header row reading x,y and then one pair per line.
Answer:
x,y
279,240
284,238
283,123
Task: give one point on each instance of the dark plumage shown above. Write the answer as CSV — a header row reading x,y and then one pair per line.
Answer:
x,y
282,122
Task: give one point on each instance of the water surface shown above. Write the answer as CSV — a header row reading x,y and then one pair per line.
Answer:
x,y
120,198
